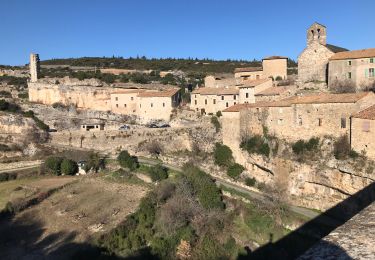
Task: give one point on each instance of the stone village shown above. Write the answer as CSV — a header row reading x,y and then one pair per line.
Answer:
x,y
251,99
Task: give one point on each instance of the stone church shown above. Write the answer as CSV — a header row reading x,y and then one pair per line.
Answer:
x,y
313,61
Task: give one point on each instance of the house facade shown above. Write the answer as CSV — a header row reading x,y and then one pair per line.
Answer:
x,y
352,67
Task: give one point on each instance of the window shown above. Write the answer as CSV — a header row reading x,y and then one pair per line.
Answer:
x,y
222,97
140,105
226,104
257,76
366,126
195,101
349,75
205,101
116,98
234,103
350,63
131,98
245,78
320,121
372,60
247,95
124,105
343,122
371,72
152,105
299,120
163,104
214,101
116,105
195,96
234,97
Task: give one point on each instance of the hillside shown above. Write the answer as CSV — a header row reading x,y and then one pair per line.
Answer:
x,y
143,63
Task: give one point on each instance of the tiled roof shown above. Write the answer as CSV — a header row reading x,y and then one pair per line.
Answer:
x,y
164,93
272,91
253,83
216,91
368,113
275,58
248,69
335,48
311,99
357,54
129,91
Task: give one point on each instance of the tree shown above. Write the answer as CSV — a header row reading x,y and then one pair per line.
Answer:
x,y
158,173
95,162
234,171
223,155
53,165
127,161
69,167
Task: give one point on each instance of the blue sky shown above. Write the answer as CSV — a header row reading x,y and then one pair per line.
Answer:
x,y
177,28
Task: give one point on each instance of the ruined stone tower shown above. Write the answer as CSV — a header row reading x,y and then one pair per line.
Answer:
x,y
317,33
34,67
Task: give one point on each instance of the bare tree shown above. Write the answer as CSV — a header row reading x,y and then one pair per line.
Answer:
x,y
343,86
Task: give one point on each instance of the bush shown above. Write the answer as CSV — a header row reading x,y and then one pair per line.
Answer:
x,y
208,193
250,182
53,165
219,114
158,173
127,161
94,162
223,155
234,171
69,167
5,94
278,78
7,176
301,146
216,123
341,149
256,144
4,148
23,95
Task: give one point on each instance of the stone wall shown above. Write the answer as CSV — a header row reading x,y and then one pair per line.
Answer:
x,y
313,63
275,68
363,136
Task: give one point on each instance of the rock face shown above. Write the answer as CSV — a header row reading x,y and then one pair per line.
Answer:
x,y
82,96
15,124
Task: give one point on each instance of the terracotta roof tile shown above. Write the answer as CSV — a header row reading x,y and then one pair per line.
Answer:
x,y
296,100
248,69
272,91
164,93
357,54
368,113
253,83
216,91
129,91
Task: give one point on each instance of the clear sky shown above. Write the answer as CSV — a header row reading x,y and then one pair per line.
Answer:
x,y
219,29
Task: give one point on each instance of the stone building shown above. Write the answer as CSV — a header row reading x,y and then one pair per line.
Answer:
x,y
363,132
34,67
211,100
356,68
294,118
274,67
313,61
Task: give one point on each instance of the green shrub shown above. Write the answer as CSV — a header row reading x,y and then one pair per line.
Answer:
x,y
250,182
127,161
208,193
353,154
257,145
7,176
5,94
69,167
223,155
219,114
9,107
341,147
234,171
4,148
158,173
23,95
95,162
53,165
278,78
301,146
216,123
